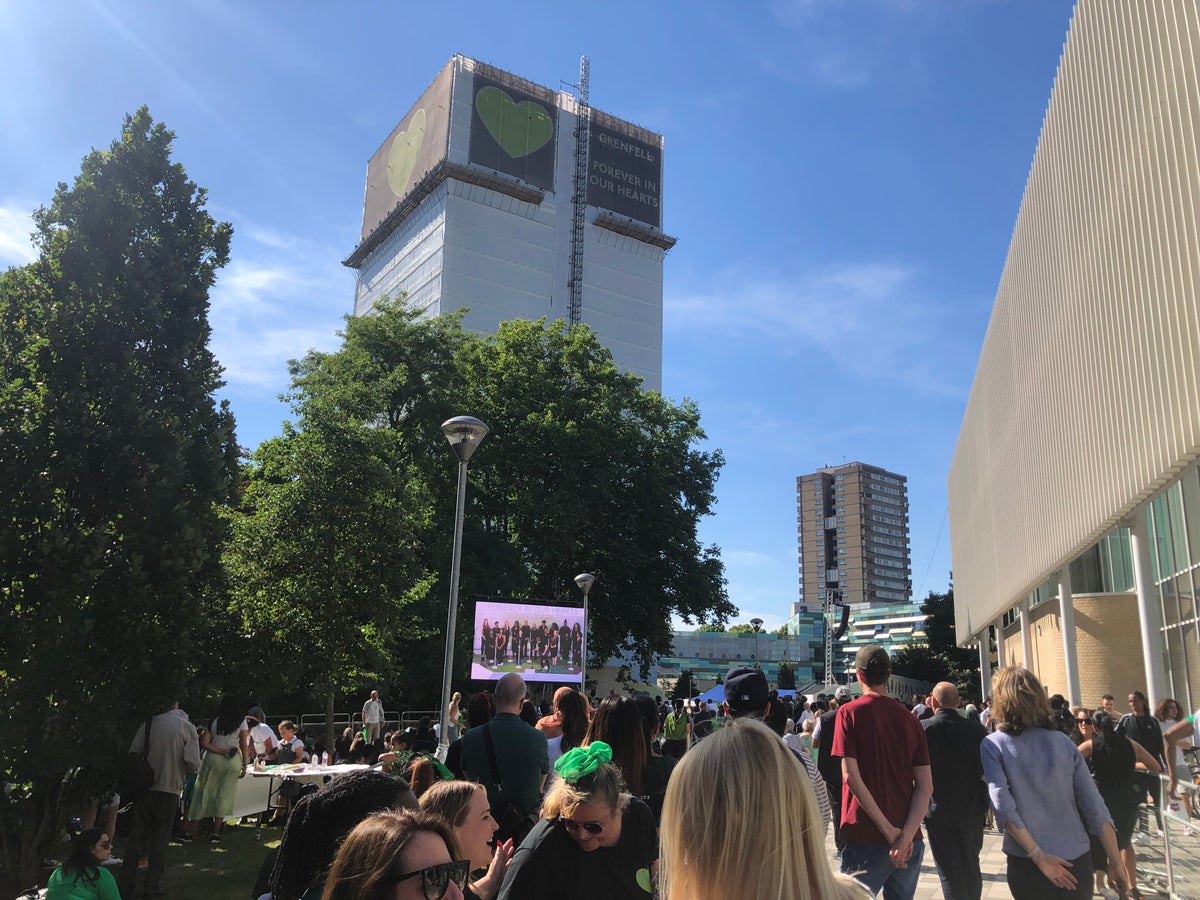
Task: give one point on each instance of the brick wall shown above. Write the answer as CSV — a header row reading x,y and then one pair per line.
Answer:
x,y
1108,643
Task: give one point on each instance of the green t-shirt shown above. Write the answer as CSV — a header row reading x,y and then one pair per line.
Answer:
x,y
68,886
675,728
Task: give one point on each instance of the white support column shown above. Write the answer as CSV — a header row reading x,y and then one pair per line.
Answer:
x,y
1066,614
985,661
999,623
1149,609
1026,640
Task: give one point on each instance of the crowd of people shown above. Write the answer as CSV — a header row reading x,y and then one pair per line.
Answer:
x,y
692,800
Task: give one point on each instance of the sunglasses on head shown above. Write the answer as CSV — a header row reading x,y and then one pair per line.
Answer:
x,y
590,827
435,880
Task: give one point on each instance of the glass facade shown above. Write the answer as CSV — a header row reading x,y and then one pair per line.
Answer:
x,y
709,655
1174,524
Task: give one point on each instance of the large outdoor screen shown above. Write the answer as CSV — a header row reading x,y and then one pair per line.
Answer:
x,y
538,642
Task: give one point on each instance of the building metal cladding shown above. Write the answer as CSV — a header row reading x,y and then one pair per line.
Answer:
x,y
469,204
1083,422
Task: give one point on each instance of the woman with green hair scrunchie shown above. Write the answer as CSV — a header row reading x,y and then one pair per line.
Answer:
x,y
594,841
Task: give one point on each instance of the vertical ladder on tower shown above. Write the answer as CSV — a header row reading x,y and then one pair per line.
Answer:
x,y
579,195
828,619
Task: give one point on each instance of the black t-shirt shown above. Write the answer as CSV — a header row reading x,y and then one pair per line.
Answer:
x,y
655,776
1144,730
550,865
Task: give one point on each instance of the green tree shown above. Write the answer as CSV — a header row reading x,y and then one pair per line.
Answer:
x,y
114,459
685,686
787,677
328,556
741,628
586,471
939,658
710,628
582,471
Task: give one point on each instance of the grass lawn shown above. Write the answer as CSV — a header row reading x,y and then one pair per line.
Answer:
x,y
227,869
200,870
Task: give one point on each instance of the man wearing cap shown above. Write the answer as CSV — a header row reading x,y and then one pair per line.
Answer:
x,y
747,696
828,764
886,782
960,797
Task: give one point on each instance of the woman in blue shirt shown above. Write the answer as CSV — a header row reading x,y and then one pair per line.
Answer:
x,y
1043,796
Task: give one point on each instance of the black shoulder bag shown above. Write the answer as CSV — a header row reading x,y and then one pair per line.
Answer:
x,y
136,776
514,822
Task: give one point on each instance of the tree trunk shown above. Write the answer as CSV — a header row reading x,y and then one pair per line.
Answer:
x,y
41,815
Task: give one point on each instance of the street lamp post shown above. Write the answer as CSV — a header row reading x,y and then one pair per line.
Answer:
x,y
585,581
464,434
757,623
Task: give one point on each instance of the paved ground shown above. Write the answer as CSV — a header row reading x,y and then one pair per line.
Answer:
x,y
1185,864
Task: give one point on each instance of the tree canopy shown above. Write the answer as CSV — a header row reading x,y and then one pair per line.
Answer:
x,y
114,459
582,471
940,658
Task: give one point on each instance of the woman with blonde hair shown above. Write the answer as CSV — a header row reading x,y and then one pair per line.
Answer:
x,y
594,841
397,856
741,795
1043,795
463,805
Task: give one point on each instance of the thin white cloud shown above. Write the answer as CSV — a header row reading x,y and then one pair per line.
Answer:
x,y
16,248
872,319
744,557
277,299
822,45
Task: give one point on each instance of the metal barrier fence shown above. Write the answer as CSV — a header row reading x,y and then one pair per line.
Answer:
x,y
1170,862
314,723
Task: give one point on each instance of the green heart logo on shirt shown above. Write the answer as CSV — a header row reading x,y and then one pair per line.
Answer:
x,y
519,128
403,155
643,880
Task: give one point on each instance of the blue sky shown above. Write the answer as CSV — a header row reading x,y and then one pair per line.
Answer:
x,y
843,177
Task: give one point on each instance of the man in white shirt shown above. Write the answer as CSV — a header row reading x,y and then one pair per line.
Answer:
x,y
373,716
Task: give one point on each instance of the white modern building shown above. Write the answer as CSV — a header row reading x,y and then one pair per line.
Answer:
x,y
1074,492
519,202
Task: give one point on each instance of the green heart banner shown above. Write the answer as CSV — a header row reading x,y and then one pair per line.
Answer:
x,y
519,128
403,155
512,130
414,147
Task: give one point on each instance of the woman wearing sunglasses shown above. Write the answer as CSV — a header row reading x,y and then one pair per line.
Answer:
x,y
594,842
401,855
1084,730
83,876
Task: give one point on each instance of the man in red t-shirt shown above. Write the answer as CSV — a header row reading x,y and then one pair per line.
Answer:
x,y
886,782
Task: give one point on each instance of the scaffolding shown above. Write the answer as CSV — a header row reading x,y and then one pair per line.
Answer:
x,y
579,195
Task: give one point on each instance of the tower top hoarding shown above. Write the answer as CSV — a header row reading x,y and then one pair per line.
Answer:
x,y
513,131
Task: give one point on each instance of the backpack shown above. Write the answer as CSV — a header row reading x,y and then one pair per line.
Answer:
x,y
135,776
287,753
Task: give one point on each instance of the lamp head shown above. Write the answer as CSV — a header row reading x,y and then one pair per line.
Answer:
x,y
757,623
464,434
585,582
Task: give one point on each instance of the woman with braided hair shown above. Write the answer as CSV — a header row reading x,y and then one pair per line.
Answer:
x,y
594,840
